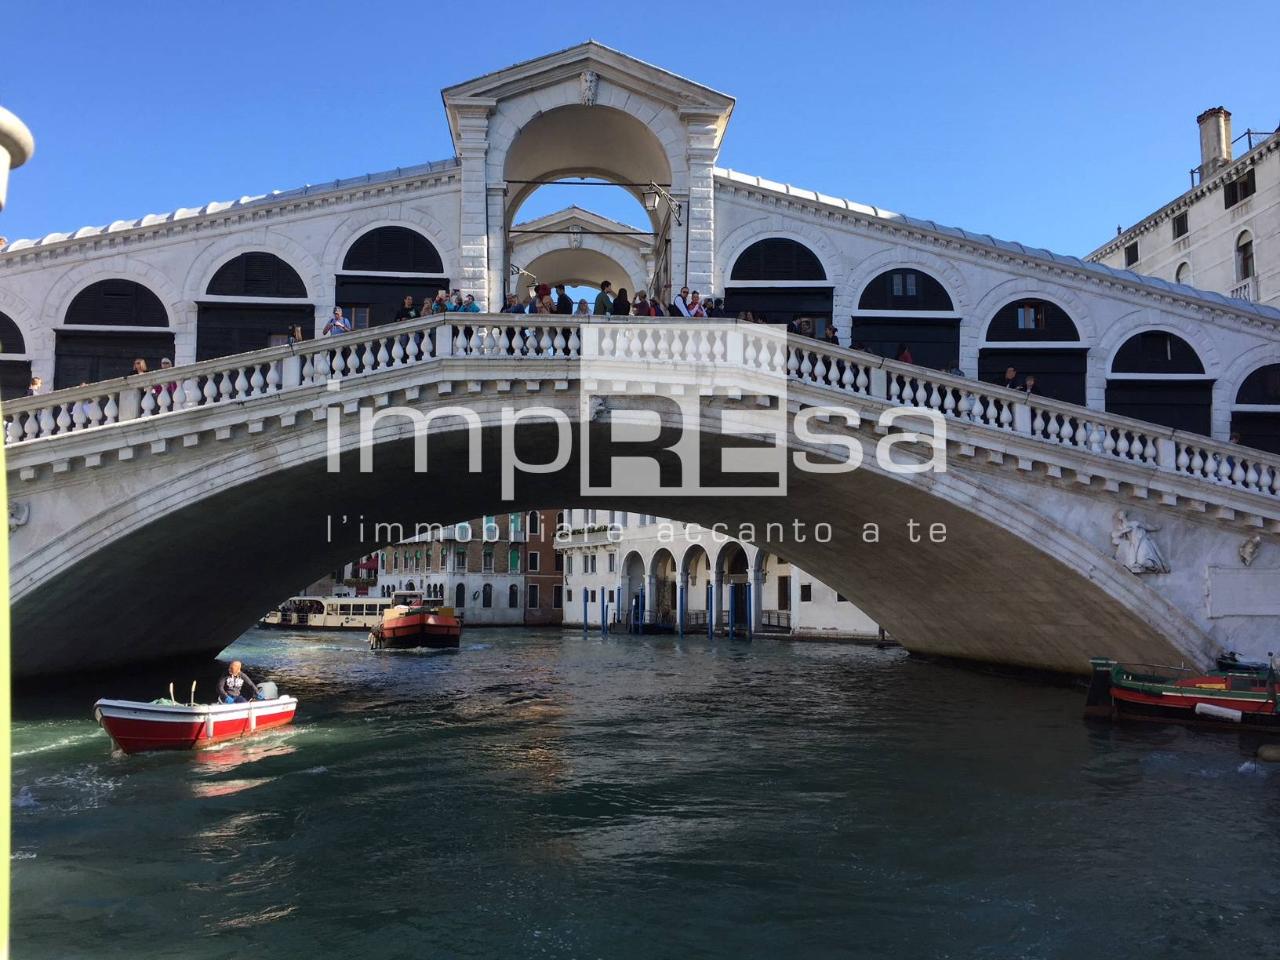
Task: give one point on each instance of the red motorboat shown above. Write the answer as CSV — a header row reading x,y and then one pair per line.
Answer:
x,y
136,726
411,624
1238,693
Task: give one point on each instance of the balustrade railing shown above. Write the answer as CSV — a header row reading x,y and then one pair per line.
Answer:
x,y
660,343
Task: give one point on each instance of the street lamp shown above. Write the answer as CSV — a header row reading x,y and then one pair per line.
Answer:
x,y
653,193
16,147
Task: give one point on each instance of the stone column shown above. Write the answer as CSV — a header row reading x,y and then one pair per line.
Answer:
x,y
716,613
473,231
699,265
650,592
757,598
682,601
496,196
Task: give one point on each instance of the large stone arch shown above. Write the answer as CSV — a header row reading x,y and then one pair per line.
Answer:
x,y
260,240
412,216
1235,373
976,323
628,259
512,115
732,246
20,312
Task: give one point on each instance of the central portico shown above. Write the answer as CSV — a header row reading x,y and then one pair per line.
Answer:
x,y
587,111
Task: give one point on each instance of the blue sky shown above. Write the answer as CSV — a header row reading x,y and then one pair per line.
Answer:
x,y
1048,124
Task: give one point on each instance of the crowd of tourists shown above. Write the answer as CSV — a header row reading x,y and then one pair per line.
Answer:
x,y
544,299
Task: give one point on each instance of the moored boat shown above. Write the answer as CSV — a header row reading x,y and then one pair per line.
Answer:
x,y
412,624
138,726
1235,694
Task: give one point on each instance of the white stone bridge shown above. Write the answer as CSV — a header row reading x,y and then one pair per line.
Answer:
x,y
160,515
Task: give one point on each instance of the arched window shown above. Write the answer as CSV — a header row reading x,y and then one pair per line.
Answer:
x,y
1157,376
889,317
535,521
1255,418
777,258
486,595
116,303
1032,319
256,274
11,339
460,596
1244,256
513,595
1156,351
99,349
778,280
15,373
1183,273
393,250
905,289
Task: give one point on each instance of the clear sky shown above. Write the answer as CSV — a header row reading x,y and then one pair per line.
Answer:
x,y
1044,123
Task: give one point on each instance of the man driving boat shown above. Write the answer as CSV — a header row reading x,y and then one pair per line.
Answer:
x,y
232,683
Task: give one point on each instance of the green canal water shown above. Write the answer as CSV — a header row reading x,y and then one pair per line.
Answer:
x,y
539,794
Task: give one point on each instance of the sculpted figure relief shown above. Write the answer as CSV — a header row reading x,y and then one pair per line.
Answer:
x,y
1135,547
1249,549
589,85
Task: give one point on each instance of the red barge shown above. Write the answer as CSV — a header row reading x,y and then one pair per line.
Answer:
x,y
1237,694
411,624
136,726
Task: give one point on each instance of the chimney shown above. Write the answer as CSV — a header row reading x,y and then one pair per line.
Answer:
x,y
1215,140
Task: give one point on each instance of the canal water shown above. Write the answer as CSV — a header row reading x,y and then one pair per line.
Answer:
x,y
539,794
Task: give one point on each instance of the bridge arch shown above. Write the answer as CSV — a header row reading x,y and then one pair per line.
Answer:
x,y
1250,390
218,254
1038,337
347,233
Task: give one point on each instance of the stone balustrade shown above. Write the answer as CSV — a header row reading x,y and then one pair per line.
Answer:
x,y
662,342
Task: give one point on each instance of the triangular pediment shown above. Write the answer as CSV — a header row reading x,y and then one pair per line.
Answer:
x,y
577,218
618,68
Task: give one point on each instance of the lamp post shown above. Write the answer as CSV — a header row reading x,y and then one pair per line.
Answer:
x,y
16,147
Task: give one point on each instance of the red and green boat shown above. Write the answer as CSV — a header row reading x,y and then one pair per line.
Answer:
x,y
1238,693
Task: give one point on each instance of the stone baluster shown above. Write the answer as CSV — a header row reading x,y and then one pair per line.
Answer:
x,y
256,381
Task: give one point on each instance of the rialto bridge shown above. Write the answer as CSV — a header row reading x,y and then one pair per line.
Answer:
x,y
183,503
162,499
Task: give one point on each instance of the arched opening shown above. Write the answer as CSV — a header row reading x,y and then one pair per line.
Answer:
x,y
1158,377
113,310
460,596
1042,342
534,521
908,308
1255,416
15,368
598,145
633,583
732,571
513,596
662,570
254,300
383,266
773,606
783,281
695,573
1244,256
486,596
1183,273
581,271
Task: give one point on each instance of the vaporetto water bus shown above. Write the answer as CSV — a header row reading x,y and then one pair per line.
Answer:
x,y
334,613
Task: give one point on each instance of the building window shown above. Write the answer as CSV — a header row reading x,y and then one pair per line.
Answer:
x,y
513,596
1031,316
568,595
613,562
1183,274
1131,254
460,561
559,563
487,561
904,283
806,592
535,524
591,597
589,565
568,569
460,596
513,560
486,595
557,596
1180,225
534,561
533,596
1238,189
610,595
1244,257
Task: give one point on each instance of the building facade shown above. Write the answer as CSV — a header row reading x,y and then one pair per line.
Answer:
x,y
194,283
1223,234
628,568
